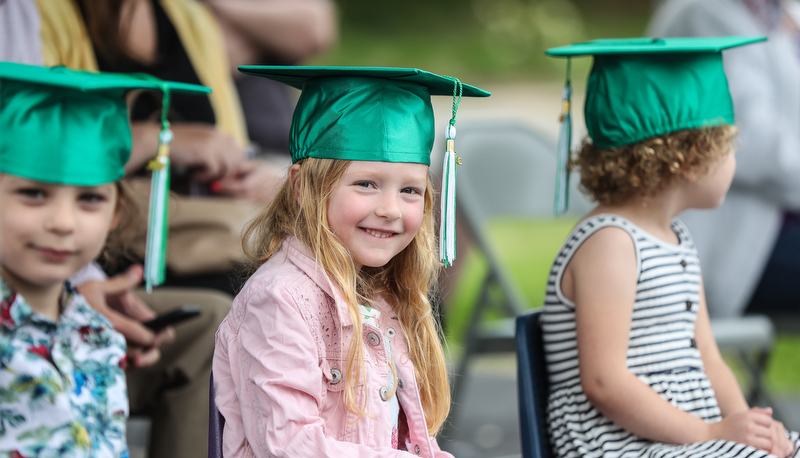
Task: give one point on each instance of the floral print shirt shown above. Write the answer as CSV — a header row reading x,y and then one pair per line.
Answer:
x,y
62,385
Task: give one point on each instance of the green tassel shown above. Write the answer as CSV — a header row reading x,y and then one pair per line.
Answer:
x,y
155,259
561,204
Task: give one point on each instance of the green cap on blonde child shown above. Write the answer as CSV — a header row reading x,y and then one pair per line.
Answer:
x,y
373,114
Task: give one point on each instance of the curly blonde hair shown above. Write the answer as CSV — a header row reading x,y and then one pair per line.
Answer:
x,y
613,176
405,281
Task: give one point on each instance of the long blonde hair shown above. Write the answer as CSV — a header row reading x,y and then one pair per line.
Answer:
x,y
300,210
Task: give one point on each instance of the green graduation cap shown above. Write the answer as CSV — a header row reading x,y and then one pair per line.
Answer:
x,y
373,114
363,113
68,127
71,127
640,88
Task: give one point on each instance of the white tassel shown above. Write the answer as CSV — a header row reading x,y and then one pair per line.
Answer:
x,y
157,228
564,149
447,227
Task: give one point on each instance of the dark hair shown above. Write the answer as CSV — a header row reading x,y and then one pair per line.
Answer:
x,y
118,250
103,20
614,175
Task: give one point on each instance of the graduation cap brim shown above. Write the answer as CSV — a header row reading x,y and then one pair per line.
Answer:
x,y
297,76
652,45
62,77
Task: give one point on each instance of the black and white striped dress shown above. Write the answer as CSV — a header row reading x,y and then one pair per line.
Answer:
x,y
661,351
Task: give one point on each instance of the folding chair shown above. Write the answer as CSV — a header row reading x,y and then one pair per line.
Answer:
x,y
216,423
750,338
532,387
508,174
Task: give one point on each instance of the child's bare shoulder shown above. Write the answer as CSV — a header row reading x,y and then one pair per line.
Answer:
x,y
605,246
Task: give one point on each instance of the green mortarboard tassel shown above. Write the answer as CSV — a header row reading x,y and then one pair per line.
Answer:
x,y
447,227
564,150
155,258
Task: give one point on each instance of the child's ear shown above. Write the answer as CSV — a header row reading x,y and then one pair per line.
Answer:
x,y
117,216
294,180
690,175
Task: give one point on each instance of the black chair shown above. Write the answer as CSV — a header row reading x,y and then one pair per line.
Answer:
x,y
532,386
216,422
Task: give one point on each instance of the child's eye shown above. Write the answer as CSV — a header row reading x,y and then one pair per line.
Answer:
x,y
91,197
32,193
365,184
411,191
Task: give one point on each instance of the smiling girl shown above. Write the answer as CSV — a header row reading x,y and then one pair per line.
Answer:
x,y
331,348
64,139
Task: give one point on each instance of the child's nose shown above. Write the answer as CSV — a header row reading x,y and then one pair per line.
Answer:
x,y
389,208
62,218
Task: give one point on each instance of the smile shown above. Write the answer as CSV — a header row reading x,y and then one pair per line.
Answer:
x,y
55,255
379,234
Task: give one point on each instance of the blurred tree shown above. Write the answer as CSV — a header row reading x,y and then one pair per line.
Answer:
x,y
494,38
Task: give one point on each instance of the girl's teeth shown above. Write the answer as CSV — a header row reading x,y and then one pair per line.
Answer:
x,y
381,235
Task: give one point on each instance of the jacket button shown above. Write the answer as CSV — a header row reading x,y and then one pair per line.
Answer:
x,y
374,339
683,263
688,306
384,393
692,343
417,450
336,376
390,332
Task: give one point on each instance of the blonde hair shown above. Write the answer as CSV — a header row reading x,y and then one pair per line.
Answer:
x,y
644,168
300,210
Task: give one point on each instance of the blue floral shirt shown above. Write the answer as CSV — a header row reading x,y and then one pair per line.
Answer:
x,y
62,385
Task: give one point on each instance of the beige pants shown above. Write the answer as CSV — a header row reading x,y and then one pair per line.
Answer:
x,y
174,392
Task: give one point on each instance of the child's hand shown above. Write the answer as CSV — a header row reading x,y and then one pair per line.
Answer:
x,y
781,445
752,427
114,298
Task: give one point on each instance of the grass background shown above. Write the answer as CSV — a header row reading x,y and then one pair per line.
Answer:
x,y
478,40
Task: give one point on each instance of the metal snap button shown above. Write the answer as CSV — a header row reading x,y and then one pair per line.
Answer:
x,y
692,343
417,450
689,306
384,393
374,339
683,263
390,332
336,376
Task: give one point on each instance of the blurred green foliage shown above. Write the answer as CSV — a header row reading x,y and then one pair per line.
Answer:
x,y
482,39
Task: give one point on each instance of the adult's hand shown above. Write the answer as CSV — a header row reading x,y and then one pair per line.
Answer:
x,y
279,30
256,180
204,149
114,299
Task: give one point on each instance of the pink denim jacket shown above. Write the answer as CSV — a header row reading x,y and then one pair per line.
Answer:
x,y
279,368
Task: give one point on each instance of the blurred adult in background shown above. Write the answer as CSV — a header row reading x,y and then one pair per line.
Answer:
x,y
19,32
750,246
270,32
